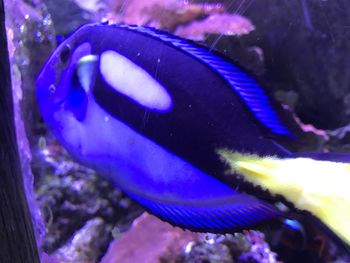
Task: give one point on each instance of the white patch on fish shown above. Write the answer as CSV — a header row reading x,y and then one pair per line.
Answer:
x,y
131,80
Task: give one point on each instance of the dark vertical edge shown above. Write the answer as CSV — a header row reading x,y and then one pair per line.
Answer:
x,y
17,240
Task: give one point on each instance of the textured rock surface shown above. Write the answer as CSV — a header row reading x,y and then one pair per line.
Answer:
x,y
306,47
165,14
338,140
219,24
184,18
29,30
70,196
67,16
249,246
149,241
87,243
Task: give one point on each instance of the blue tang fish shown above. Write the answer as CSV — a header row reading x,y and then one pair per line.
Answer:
x,y
182,131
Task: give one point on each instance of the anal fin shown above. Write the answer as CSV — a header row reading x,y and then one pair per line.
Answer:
x,y
221,215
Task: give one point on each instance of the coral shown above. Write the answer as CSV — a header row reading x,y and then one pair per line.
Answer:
x,y
306,45
207,251
70,197
28,29
67,16
338,140
245,247
186,19
87,243
259,250
149,240
160,13
222,24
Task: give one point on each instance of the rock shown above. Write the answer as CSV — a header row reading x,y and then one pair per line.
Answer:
x,y
87,243
215,253
208,249
70,195
218,24
33,38
162,14
259,250
67,16
149,241
45,258
306,47
29,31
339,140
248,246
188,20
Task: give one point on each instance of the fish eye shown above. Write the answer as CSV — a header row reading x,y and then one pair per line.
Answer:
x,y
64,56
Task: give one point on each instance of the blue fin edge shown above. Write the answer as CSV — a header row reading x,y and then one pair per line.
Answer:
x,y
250,91
234,216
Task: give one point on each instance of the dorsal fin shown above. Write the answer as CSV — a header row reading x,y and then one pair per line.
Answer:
x,y
246,87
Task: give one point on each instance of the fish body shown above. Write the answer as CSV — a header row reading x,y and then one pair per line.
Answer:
x,y
159,116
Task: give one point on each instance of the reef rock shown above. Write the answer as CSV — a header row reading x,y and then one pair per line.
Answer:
x,y
29,33
306,47
149,241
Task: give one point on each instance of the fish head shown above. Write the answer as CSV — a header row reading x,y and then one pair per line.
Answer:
x,y
64,88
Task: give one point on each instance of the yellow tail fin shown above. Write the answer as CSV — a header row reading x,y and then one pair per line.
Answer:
x,y
320,187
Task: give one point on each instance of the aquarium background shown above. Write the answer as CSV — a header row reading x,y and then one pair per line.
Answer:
x,y
299,49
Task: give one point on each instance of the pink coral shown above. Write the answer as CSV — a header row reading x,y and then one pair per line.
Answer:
x,y
190,20
159,13
225,24
149,240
